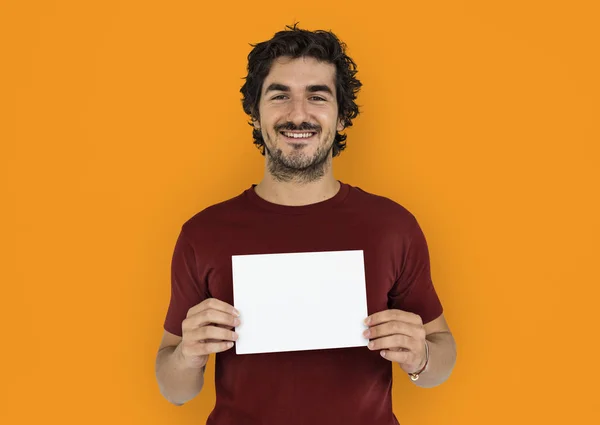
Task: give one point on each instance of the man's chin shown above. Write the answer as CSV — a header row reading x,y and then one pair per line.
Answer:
x,y
290,166
297,164
301,160
297,156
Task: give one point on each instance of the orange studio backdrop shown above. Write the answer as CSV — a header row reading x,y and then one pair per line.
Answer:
x,y
121,119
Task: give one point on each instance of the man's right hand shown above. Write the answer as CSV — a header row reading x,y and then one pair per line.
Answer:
x,y
207,329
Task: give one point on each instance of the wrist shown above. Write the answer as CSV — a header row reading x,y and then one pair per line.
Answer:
x,y
183,363
423,366
425,360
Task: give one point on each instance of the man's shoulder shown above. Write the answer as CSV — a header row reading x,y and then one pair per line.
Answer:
x,y
381,205
211,215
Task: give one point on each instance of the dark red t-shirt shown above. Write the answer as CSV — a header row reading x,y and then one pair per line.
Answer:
x,y
350,386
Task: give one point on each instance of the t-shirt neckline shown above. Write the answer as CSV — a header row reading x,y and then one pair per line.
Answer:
x,y
320,206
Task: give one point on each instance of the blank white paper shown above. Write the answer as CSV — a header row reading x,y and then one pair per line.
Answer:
x,y
299,301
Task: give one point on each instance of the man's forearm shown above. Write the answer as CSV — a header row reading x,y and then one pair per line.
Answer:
x,y
442,357
177,382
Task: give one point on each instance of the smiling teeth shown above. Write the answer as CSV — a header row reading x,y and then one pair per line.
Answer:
x,y
298,135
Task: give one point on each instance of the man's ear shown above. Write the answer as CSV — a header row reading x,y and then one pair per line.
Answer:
x,y
256,123
340,125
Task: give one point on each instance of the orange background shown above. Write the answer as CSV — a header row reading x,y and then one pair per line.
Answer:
x,y
120,120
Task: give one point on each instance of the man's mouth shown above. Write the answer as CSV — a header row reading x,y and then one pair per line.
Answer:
x,y
298,135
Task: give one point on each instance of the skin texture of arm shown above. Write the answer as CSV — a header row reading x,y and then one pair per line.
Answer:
x,y
401,337
442,354
180,361
177,381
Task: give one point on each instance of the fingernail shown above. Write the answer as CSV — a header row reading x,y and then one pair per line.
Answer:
x,y
236,322
237,313
230,344
371,344
383,354
367,333
367,320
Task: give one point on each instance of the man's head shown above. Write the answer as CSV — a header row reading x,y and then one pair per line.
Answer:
x,y
300,93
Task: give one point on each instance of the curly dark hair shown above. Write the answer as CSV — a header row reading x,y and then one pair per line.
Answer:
x,y
295,43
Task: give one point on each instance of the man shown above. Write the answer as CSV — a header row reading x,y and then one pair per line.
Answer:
x,y
299,93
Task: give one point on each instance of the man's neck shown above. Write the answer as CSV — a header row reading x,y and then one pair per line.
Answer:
x,y
297,193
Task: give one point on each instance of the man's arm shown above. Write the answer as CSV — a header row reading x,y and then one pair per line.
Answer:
x,y
442,353
400,337
178,381
180,361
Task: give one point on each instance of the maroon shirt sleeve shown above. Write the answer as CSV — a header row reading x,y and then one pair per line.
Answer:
x,y
414,290
187,289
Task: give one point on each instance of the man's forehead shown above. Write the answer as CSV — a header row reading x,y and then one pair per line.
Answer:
x,y
300,72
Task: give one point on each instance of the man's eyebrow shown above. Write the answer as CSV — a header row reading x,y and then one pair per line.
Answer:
x,y
277,87
319,87
311,89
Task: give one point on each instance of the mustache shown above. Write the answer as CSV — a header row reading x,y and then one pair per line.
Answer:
x,y
291,127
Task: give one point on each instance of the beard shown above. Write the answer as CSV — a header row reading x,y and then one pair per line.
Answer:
x,y
297,166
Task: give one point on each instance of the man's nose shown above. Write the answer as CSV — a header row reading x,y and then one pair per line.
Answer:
x,y
298,112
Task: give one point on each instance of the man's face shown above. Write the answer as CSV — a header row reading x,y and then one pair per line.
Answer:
x,y
298,117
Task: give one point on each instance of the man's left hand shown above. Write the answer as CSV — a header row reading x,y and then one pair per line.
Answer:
x,y
400,336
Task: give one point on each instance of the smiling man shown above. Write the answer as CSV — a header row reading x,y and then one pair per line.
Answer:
x,y
300,95
300,118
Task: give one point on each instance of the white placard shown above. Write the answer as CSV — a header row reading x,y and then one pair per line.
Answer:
x,y
299,301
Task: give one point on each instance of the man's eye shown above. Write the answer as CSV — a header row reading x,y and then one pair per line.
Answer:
x,y
279,97
319,98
